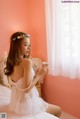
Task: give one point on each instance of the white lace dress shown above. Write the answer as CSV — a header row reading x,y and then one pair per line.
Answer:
x,y
26,103
23,105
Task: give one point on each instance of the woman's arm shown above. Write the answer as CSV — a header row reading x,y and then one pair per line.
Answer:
x,y
29,82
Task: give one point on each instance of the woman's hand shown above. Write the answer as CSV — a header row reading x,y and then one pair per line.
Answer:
x,y
40,73
43,70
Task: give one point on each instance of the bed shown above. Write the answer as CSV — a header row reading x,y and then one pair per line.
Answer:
x,y
5,93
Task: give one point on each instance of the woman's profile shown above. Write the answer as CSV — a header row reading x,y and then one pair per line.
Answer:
x,y
25,98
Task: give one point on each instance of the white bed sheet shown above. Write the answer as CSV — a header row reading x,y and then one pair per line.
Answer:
x,y
4,103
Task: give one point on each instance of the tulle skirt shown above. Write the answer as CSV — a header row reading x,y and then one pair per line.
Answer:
x,y
27,103
22,104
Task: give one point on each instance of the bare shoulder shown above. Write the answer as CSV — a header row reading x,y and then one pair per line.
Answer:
x,y
26,62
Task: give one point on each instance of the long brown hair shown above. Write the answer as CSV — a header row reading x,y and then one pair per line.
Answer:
x,y
14,51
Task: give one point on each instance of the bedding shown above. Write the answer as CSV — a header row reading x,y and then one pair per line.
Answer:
x,y
5,94
3,77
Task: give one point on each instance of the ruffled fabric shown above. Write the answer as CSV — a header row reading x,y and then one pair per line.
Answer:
x,y
26,103
20,105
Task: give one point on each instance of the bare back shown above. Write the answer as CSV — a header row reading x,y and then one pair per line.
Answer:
x,y
17,74
19,71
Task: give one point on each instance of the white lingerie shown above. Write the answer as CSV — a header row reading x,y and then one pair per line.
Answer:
x,y
21,105
26,103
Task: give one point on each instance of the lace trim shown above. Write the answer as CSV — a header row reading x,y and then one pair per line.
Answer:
x,y
13,84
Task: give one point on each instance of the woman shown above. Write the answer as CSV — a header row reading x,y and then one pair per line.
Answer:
x,y
25,99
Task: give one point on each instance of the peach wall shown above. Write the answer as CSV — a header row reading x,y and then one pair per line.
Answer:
x,y
63,92
13,17
27,16
37,28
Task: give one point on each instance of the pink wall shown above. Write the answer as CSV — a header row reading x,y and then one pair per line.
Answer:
x,y
64,92
37,28
13,17
29,16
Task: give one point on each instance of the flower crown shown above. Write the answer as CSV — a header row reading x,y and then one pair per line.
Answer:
x,y
21,36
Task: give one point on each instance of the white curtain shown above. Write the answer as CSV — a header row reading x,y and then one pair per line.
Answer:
x,y
63,38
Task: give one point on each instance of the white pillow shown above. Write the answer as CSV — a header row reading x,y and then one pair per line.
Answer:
x,y
3,77
5,94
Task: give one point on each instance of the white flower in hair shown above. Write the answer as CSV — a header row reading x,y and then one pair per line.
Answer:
x,y
14,39
21,36
18,37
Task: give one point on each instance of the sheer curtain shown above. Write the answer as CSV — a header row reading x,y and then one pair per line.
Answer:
x,y
63,38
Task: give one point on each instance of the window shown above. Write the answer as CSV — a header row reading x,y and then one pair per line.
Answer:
x,y
63,38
